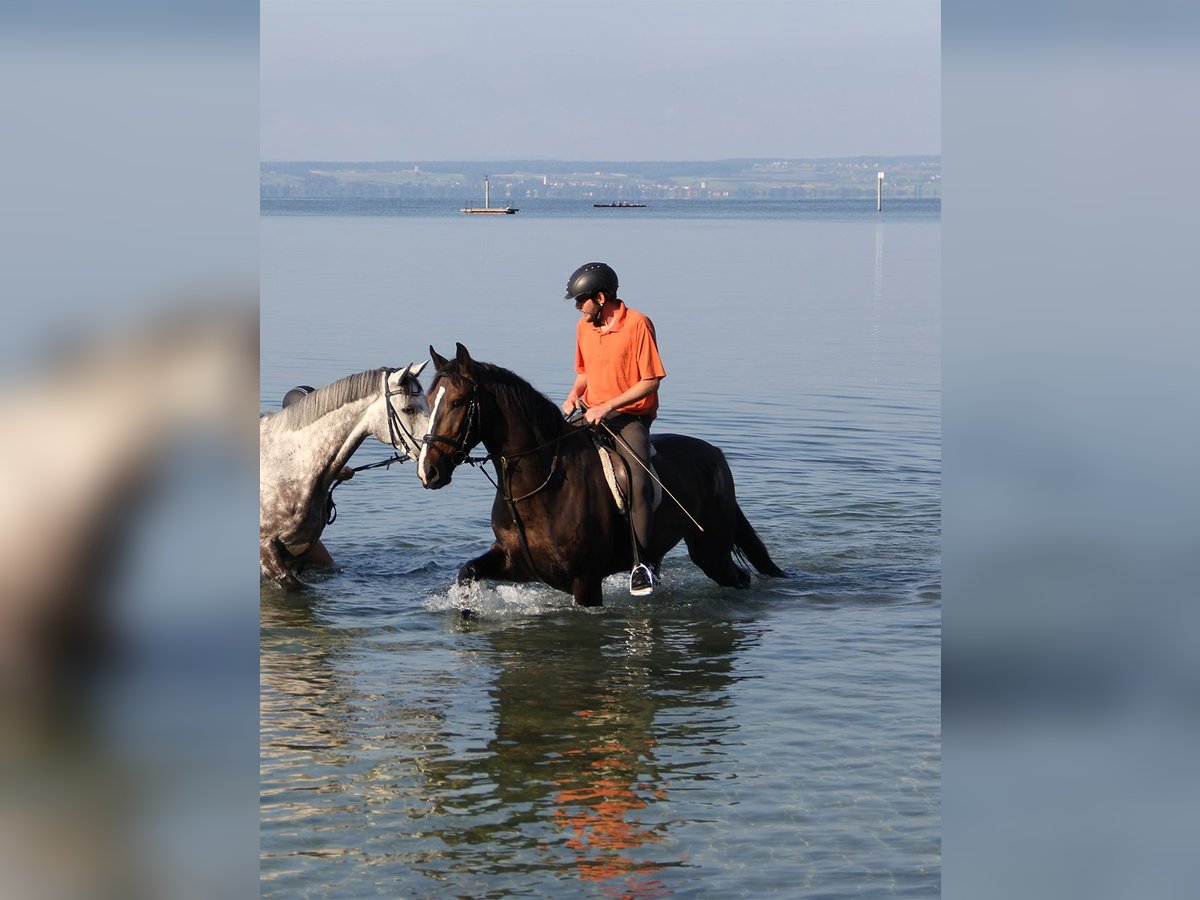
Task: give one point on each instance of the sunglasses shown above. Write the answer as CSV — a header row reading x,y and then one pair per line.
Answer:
x,y
579,301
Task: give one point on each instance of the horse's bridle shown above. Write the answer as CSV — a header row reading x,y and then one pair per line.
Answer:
x,y
459,447
396,426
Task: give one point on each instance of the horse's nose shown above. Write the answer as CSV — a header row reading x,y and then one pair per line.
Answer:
x,y
429,476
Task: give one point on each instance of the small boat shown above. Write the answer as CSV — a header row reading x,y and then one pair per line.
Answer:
x,y
620,204
487,207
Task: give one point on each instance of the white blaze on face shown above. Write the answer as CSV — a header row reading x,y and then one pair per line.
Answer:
x,y
437,402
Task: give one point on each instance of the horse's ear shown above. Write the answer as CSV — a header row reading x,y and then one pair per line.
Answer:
x,y
466,365
414,369
439,361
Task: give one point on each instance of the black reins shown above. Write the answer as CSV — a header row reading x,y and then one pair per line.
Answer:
x,y
460,450
461,454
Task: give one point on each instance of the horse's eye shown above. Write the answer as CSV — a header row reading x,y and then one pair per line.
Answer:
x,y
458,404
409,410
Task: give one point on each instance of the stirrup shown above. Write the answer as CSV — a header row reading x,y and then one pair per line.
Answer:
x,y
643,586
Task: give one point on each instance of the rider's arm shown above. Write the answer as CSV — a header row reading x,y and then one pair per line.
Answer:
x,y
643,388
577,390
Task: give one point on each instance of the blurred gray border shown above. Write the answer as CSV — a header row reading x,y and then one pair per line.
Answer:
x,y
1070,444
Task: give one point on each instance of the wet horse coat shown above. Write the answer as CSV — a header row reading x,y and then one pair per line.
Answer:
x,y
554,517
304,447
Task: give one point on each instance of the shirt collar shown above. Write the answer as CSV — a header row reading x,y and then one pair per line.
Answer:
x,y
618,319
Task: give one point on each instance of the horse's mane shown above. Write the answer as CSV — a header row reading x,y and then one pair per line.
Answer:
x,y
326,399
522,398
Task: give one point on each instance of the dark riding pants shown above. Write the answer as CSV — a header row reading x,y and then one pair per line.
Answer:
x,y
634,431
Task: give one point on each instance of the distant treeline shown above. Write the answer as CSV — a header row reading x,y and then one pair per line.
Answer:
x,y
905,176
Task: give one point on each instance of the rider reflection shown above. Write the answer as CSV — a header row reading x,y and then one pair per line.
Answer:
x,y
581,722
599,801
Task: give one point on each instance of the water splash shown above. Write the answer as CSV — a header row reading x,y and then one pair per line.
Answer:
x,y
492,602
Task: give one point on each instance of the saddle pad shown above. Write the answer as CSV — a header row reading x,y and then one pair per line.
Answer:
x,y
610,476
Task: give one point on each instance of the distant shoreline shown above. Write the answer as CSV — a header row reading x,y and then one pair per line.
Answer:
x,y
905,177
860,209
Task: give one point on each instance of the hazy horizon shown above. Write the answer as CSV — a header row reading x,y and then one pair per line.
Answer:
x,y
638,160
588,163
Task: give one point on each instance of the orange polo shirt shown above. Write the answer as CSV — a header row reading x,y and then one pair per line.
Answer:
x,y
618,357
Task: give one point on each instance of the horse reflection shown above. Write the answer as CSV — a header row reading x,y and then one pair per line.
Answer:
x,y
309,740
576,743
301,694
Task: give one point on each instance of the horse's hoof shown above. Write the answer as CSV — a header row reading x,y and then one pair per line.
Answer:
x,y
468,615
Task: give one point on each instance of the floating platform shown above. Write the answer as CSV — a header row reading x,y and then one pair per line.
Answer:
x,y
487,209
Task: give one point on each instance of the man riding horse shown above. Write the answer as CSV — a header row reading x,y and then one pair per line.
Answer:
x,y
617,374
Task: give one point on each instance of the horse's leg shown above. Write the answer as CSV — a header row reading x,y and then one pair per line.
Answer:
x,y
274,566
587,591
712,499
712,552
722,570
317,555
495,564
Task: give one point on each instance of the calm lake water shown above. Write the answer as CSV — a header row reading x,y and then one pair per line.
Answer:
x,y
778,741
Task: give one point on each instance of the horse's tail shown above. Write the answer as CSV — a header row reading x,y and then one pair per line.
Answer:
x,y
751,547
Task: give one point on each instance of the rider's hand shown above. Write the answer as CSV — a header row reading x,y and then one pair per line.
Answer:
x,y
598,413
570,405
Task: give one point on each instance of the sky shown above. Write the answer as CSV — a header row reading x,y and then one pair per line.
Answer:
x,y
561,79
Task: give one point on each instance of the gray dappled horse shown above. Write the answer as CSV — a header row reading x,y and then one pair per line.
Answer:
x,y
303,448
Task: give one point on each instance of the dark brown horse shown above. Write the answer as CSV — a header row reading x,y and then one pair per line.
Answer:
x,y
554,516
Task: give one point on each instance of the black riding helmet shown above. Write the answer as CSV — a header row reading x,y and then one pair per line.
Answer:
x,y
591,278
299,392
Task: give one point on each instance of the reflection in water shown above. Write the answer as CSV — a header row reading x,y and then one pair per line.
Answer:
x,y
575,746
313,731
301,696
598,803
876,302
604,784
557,771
